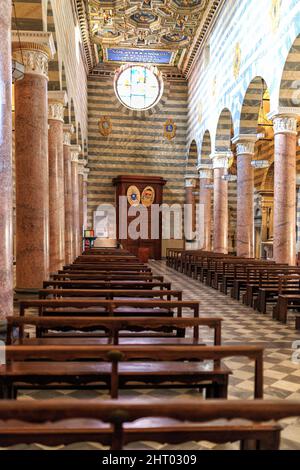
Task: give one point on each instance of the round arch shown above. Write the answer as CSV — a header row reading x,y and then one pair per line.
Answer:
x,y
192,158
224,132
289,94
206,148
256,105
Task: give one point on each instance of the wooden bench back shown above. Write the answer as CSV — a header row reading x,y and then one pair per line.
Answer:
x,y
113,325
141,353
116,417
107,284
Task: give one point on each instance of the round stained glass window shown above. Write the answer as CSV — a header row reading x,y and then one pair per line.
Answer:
x,y
138,87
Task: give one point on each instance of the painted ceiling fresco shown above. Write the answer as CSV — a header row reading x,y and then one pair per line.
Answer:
x,y
161,25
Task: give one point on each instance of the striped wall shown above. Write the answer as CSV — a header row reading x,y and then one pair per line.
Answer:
x,y
253,48
137,144
249,40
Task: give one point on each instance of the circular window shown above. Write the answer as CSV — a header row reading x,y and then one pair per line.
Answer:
x,y
138,87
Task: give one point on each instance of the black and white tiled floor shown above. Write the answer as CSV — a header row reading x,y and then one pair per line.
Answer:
x,y
241,325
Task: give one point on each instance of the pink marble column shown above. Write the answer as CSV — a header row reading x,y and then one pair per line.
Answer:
x,y
205,202
6,235
285,141
56,102
220,162
31,153
189,219
85,197
245,195
75,150
69,243
81,165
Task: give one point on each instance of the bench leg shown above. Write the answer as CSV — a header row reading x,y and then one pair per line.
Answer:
x,y
218,390
249,444
282,308
6,391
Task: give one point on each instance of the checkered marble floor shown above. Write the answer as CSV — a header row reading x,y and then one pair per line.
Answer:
x,y
241,325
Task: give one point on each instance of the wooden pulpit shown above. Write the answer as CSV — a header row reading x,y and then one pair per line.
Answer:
x,y
144,190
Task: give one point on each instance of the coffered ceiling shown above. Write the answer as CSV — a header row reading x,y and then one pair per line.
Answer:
x,y
154,31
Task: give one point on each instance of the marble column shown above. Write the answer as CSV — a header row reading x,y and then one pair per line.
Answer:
x,y
220,164
205,200
31,154
85,197
75,150
285,142
189,214
267,209
245,148
56,102
81,165
69,243
6,210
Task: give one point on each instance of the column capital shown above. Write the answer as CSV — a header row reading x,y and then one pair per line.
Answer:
x,y
245,144
220,159
57,100
75,151
81,165
205,171
285,120
86,172
68,131
190,181
33,49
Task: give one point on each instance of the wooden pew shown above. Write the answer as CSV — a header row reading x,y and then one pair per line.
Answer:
x,y
286,302
117,307
110,330
103,268
110,294
108,284
109,276
131,367
282,284
52,422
